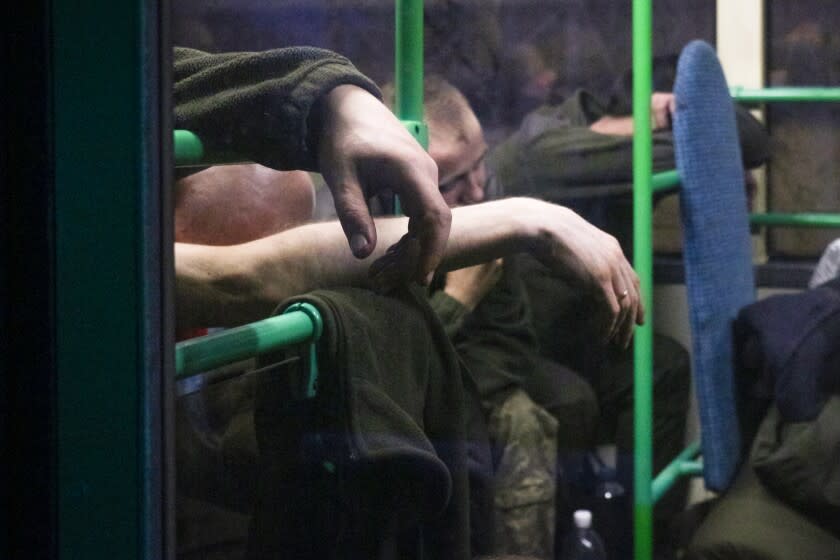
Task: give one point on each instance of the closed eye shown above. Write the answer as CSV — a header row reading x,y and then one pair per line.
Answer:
x,y
450,184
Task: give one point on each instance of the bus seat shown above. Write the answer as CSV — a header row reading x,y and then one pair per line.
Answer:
x,y
717,248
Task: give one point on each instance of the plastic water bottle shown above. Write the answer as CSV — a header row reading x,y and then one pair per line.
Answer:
x,y
584,543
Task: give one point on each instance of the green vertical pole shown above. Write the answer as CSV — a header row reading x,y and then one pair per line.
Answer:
x,y
408,80
408,71
642,251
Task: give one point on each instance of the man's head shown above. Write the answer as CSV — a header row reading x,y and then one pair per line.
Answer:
x,y
456,141
230,204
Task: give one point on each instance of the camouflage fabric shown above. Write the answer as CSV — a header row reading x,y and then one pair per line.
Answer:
x,y
526,437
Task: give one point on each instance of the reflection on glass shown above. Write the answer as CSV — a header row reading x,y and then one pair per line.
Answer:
x,y
803,50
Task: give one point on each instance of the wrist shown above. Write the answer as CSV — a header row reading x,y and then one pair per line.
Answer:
x,y
520,219
535,222
324,112
461,297
551,230
344,102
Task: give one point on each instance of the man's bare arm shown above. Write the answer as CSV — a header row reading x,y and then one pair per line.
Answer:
x,y
662,107
242,283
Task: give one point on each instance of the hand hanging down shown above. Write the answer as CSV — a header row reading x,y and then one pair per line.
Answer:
x,y
311,109
593,260
362,150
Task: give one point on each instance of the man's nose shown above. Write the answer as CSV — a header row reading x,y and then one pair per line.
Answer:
x,y
475,187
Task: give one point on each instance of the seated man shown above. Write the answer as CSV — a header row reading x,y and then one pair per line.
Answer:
x,y
487,316
578,152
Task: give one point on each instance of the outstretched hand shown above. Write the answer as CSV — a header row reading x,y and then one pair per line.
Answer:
x,y
363,149
593,260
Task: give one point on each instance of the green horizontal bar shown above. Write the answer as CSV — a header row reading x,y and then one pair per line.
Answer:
x,y
188,148
665,180
668,179
778,94
208,352
806,220
691,468
680,466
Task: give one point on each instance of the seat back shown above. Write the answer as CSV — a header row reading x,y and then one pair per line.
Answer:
x,y
717,248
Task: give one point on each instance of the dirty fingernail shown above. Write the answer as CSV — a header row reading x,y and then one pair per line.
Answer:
x,y
358,242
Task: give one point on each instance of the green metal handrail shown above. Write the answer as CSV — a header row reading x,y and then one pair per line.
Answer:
x,y
643,263
794,219
408,72
188,148
665,180
669,179
786,94
408,68
682,465
299,324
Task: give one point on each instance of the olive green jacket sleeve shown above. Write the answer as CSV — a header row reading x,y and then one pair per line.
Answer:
x,y
554,155
450,311
496,341
256,106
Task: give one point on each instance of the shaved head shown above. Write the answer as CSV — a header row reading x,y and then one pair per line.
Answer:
x,y
456,140
231,204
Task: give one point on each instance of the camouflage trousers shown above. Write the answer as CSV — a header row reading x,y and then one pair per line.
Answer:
x,y
525,436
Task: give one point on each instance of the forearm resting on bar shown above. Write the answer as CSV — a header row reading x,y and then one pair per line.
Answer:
x,y
232,285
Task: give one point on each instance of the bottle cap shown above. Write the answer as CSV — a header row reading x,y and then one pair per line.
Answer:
x,y
583,518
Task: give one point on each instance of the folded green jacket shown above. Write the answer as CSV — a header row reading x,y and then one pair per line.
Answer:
x,y
381,447
800,462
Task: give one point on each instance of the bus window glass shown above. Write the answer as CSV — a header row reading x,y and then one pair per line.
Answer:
x,y
803,49
507,56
